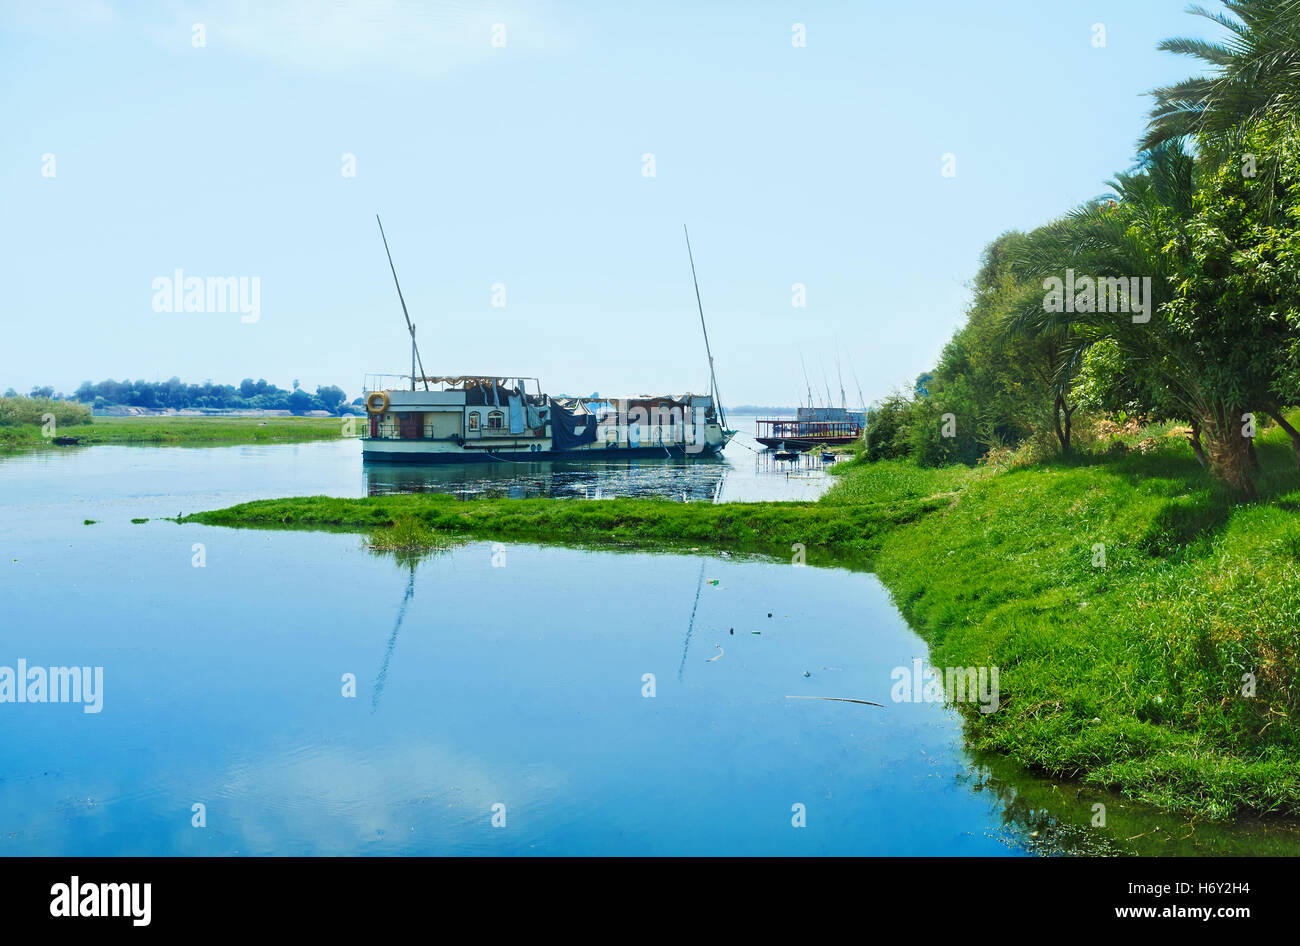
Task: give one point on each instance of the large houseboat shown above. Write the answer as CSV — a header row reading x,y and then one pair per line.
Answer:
x,y
487,419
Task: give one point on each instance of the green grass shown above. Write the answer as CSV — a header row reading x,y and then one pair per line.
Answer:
x,y
843,534
1126,676
179,431
406,535
1129,675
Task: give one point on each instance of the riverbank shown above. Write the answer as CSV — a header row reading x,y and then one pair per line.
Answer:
x,y
1144,625
179,431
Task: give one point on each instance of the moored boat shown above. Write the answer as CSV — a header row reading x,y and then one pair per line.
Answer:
x,y
810,428
814,427
485,419
496,418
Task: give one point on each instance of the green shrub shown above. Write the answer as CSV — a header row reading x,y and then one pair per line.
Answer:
x,y
15,411
887,425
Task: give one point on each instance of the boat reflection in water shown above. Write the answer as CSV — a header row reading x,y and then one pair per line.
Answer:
x,y
741,475
698,480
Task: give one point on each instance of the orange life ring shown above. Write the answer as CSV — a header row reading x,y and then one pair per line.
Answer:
x,y
383,402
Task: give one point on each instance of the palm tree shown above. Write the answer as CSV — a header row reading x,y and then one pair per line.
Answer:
x,y
1253,75
1139,230
1125,233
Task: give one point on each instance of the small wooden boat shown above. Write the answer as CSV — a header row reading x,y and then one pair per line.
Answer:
x,y
804,433
66,441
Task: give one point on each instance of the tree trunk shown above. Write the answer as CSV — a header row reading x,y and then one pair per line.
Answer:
x,y
1059,410
1228,452
1197,450
1291,432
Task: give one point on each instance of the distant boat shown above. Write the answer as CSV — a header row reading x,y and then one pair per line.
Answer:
x,y
812,427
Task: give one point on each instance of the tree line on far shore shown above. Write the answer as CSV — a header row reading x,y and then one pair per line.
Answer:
x,y
175,394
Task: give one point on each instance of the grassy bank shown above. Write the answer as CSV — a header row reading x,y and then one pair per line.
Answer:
x,y
840,534
177,431
1126,673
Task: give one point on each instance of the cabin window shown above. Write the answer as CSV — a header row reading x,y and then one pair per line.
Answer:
x,y
474,418
496,420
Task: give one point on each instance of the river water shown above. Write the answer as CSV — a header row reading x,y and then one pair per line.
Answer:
x,y
500,699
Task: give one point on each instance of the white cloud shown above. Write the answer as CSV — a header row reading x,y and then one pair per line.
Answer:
x,y
419,39
335,796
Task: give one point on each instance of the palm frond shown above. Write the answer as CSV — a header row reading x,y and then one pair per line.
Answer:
x,y
1253,74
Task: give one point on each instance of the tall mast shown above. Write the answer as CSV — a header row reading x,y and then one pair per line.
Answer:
x,y
827,383
806,383
844,402
713,378
415,352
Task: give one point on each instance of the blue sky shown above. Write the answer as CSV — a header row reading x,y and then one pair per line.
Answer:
x,y
522,165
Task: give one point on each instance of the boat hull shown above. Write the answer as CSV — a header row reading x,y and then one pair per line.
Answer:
x,y
805,443
430,457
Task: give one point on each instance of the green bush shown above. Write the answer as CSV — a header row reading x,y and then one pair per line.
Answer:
x,y
887,427
927,442
15,411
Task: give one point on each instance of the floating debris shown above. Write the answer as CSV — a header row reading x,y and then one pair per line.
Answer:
x,y
836,699
710,660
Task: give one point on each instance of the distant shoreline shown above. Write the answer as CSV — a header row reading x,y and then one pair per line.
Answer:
x,y
128,411
178,430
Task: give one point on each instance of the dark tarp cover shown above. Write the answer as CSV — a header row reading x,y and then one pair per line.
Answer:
x,y
489,394
570,429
